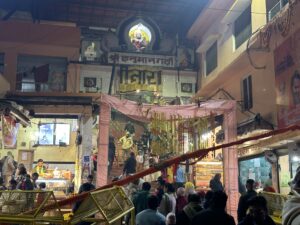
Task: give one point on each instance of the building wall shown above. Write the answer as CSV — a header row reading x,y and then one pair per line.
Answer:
x,y
36,39
234,65
27,137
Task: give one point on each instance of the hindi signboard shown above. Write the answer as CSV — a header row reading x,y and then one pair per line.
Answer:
x,y
122,58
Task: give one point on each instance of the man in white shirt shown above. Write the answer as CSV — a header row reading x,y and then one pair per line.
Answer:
x,y
151,216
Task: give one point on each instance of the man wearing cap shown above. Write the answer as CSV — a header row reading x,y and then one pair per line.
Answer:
x,y
40,168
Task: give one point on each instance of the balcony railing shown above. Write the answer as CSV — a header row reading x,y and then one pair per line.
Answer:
x,y
272,12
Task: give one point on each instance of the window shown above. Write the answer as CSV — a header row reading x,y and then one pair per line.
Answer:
x,y
54,134
242,27
247,93
211,58
41,73
274,6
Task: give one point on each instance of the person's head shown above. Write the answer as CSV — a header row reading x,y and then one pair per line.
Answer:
x,y
217,176
9,153
250,184
295,87
12,184
22,171
195,198
132,154
40,162
170,219
146,186
85,188
90,178
218,200
258,209
152,202
127,134
189,188
27,177
20,165
169,188
42,185
180,191
34,176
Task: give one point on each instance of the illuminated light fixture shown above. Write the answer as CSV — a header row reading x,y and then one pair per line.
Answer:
x,y
296,159
137,90
206,136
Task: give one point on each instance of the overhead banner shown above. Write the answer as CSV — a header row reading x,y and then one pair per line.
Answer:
x,y
123,58
133,79
287,78
10,132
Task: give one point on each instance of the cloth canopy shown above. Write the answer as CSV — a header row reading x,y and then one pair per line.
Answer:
x,y
143,112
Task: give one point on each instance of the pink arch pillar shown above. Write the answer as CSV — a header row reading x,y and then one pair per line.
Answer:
x,y
230,162
103,135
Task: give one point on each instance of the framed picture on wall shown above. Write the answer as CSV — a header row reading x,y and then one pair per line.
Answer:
x,y
187,87
90,82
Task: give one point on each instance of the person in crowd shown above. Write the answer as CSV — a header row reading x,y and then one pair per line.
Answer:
x,y
129,127
87,185
41,196
215,183
12,185
151,216
181,200
179,177
2,185
94,159
243,201
186,216
216,213
111,153
130,165
21,173
189,189
12,203
207,199
40,168
127,143
258,212
171,219
268,185
168,202
160,189
25,184
34,177
8,167
133,187
291,209
140,198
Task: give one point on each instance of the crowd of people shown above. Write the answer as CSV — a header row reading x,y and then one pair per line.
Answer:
x,y
160,203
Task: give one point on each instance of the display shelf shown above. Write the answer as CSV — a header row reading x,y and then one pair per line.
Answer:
x,y
204,171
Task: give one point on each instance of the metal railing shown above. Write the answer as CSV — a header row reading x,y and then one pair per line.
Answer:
x,y
276,8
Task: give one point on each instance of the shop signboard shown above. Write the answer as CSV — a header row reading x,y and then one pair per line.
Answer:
x,y
133,79
124,58
287,78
